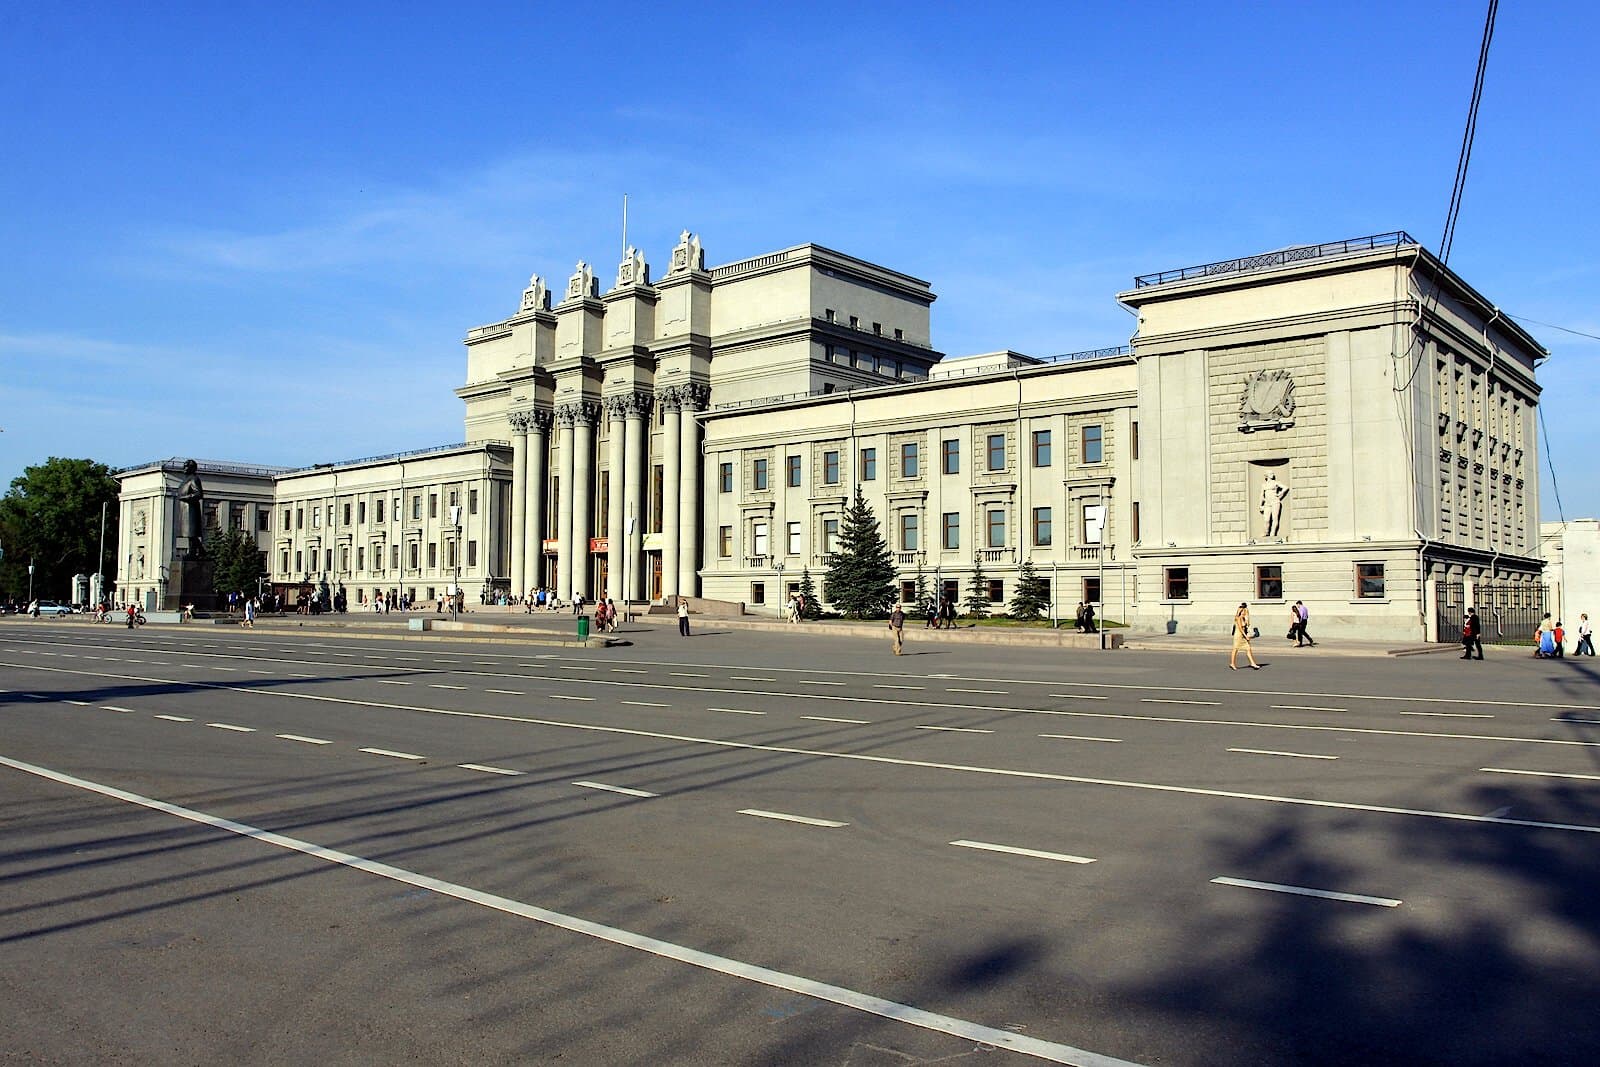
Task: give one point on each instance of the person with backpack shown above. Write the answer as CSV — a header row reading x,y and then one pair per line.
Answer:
x,y
1471,635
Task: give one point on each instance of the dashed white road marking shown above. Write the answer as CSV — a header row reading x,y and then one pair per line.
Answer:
x,y
644,704
302,676
1449,714
506,692
956,729
230,726
989,692
1015,851
1171,700
624,790
1270,752
564,696
736,711
1301,707
1079,696
215,667
1325,894
814,681
888,1009
251,670
174,718
686,674
909,688
113,707
614,670
1541,774
569,667
441,685
829,718
747,678
79,703
1559,718
389,681
1080,737
305,740
487,769
781,816
395,755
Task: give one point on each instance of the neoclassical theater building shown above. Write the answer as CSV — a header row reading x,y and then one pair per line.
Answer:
x,y
1345,424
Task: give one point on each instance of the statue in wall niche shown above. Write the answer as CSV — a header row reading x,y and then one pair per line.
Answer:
x,y
138,570
1272,495
535,297
191,507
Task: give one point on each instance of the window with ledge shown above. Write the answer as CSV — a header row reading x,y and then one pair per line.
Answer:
x,y
361,557
298,560
1176,581
725,478
379,507
361,511
758,539
416,506
285,560
794,539
433,505
996,526
433,554
1041,527
472,553
899,334
908,592
347,514
725,541
1041,448
792,471
1133,441
285,518
869,464
299,518
830,536
1094,523
997,591
1369,581
951,536
415,549
758,592
910,532
1091,590
830,467
1093,445
472,501
1135,522
1269,581
997,451
758,474
910,460
950,455
455,497
263,521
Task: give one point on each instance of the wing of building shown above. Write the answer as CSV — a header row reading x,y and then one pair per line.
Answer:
x,y
1346,424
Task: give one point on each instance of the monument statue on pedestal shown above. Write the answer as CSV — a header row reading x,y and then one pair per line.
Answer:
x,y
191,512
190,580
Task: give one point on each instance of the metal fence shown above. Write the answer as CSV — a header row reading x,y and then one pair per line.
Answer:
x,y
1509,612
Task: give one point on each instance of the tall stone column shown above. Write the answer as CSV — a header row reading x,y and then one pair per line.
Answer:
x,y
692,398
583,495
566,415
536,521
519,499
671,461
636,484
616,511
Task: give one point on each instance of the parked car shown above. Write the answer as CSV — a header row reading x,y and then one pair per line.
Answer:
x,y
51,607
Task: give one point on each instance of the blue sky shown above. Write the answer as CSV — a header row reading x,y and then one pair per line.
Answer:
x,y
260,231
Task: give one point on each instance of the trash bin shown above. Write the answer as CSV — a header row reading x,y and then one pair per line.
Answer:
x,y
583,627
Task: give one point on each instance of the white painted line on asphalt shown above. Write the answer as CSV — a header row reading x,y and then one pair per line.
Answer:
x,y
302,676
745,678
487,769
644,704
956,729
32,696
215,667
624,790
1015,851
441,685
564,696
686,674
1270,752
306,740
389,681
912,688
1080,737
1542,774
1449,714
548,655
230,726
396,755
849,998
79,703
806,819
814,681
249,670
485,663
1169,700
737,711
113,707
569,667
1301,891
1559,718
506,692
174,718
614,670
827,718
991,692
1302,707
1079,696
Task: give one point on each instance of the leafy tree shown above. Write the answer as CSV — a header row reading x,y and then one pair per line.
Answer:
x,y
977,602
861,581
236,562
51,516
810,608
1030,601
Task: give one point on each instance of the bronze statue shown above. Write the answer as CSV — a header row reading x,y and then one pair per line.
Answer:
x,y
191,507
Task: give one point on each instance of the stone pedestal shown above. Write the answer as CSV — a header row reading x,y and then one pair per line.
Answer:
x,y
190,582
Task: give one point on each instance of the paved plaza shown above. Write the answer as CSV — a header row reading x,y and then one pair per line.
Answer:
x,y
343,842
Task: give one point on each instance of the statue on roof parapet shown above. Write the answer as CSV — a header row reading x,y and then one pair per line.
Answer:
x,y
633,270
582,283
688,255
536,297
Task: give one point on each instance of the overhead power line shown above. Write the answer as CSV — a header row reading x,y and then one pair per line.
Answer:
x,y
1467,136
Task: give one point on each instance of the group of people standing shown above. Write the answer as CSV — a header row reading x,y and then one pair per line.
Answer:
x,y
1550,639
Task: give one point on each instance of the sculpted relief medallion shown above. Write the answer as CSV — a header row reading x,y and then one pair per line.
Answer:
x,y
1267,401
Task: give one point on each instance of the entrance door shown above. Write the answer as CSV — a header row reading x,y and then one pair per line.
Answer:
x,y
602,571
655,576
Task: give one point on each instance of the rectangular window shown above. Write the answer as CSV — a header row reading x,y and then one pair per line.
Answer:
x,y
347,514
1269,581
830,468
1133,441
758,592
758,539
997,451
416,548
997,528
285,518
1369,581
830,535
794,544
909,532
910,461
1177,583
724,541
472,553
379,506
1094,523
433,554
361,557
1041,448
285,567
1093,445
1041,527
1135,522
263,520
472,501
416,505
997,591
791,465
951,537
450,561
433,505
657,495
327,559
361,511
299,518
1091,590
394,557
603,506
344,557
908,592
950,456
869,464
759,474
725,478
455,497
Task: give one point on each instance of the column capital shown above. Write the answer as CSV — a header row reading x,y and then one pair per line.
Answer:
x,y
617,406
586,412
520,421
668,398
694,396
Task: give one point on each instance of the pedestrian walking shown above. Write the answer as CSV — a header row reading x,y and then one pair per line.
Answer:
x,y
897,629
1561,640
1472,635
683,617
1241,639
1303,617
1544,639
250,613
1585,637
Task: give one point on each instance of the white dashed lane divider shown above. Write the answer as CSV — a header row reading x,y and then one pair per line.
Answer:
x,y
1541,774
624,790
230,726
1048,1051
1302,891
304,740
1013,850
782,817
1270,752
392,754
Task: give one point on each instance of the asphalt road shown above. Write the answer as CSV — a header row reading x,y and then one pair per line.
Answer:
x,y
759,848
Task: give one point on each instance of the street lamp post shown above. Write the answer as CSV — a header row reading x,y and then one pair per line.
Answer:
x,y
30,580
779,599
455,589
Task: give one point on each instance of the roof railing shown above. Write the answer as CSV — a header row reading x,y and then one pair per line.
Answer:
x,y
1279,258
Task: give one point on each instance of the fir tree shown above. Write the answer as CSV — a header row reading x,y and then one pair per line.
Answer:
x,y
1029,603
860,583
977,602
236,562
925,603
809,607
